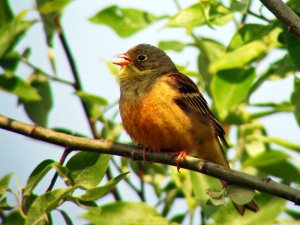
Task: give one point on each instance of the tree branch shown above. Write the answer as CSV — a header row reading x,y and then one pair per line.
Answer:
x,y
113,148
284,14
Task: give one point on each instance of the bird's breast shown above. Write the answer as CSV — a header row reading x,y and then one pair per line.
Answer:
x,y
154,120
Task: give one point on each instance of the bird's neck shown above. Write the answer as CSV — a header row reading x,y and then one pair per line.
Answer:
x,y
135,84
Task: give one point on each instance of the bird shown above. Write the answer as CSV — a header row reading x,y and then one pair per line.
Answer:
x,y
162,109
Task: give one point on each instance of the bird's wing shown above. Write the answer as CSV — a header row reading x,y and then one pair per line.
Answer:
x,y
191,100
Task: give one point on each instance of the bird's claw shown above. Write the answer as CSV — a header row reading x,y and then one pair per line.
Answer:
x,y
182,155
144,153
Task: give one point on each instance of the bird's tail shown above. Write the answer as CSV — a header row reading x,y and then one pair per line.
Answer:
x,y
251,206
216,155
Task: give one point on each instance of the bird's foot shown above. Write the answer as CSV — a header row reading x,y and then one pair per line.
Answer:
x,y
144,153
182,155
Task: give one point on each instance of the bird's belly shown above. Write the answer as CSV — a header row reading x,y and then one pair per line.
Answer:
x,y
157,123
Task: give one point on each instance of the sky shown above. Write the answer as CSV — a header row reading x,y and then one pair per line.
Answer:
x,y
92,45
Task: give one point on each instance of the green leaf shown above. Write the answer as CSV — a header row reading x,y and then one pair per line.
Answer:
x,y
217,197
293,213
270,208
114,70
38,110
126,213
67,131
295,99
183,182
174,45
4,205
154,174
279,69
293,47
251,135
284,169
202,183
239,57
210,51
43,204
204,12
6,14
185,70
10,61
246,34
219,14
111,130
19,87
230,87
93,103
189,17
178,218
14,218
91,98
266,159
27,201
53,6
97,192
5,180
240,195
12,32
238,6
283,143
4,183
88,168
124,21
37,175
48,20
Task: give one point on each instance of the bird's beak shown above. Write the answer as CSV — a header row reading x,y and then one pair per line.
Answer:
x,y
124,60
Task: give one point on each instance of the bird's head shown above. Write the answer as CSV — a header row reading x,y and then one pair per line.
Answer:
x,y
145,59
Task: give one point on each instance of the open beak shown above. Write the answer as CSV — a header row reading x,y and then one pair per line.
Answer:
x,y
123,60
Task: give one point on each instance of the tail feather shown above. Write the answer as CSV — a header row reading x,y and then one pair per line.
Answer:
x,y
216,155
251,206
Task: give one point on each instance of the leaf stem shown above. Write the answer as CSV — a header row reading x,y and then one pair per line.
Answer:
x,y
54,78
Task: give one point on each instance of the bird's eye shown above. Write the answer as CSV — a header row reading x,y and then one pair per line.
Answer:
x,y
142,58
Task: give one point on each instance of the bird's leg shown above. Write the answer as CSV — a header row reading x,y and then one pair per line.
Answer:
x,y
224,183
144,153
182,155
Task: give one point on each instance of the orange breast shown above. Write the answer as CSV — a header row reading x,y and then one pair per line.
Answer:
x,y
155,121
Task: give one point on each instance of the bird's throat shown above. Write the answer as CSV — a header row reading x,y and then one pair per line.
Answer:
x,y
135,83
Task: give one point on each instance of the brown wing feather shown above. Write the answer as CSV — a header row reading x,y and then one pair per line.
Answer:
x,y
192,99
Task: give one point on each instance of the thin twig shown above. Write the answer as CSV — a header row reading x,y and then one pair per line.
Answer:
x,y
284,14
132,152
126,179
245,14
54,78
75,73
78,87
114,191
258,16
61,161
